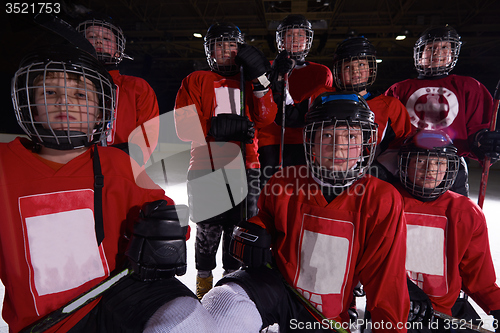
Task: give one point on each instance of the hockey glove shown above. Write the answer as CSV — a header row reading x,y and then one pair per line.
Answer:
x,y
420,304
496,320
158,246
254,62
487,143
232,127
250,244
294,115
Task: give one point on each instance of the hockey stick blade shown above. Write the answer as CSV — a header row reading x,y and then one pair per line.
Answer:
x,y
487,160
460,322
66,31
77,303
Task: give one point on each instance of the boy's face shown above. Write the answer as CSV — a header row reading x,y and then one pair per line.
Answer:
x,y
103,39
338,149
356,72
437,54
225,51
295,40
427,171
65,104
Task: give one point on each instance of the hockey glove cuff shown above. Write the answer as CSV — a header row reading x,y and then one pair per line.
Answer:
x,y
294,115
420,304
254,62
158,246
487,143
232,127
251,244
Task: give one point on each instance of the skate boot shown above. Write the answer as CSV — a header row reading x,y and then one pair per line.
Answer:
x,y
204,282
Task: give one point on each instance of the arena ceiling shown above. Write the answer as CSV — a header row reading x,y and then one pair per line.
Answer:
x,y
160,33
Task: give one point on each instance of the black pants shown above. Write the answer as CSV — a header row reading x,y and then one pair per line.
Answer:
x,y
128,306
275,302
210,231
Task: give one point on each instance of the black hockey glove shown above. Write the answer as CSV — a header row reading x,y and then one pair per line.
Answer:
x,y
157,249
254,62
420,304
281,65
496,320
232,127
487,143
294,115
251,244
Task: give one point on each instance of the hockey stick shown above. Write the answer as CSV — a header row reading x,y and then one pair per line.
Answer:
x,y
334,325
283,108
77,303
487,159
243,145
460,323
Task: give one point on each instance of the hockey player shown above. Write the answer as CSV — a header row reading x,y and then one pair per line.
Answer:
x,y
69,206
215,96
324,235
447,236
458,105
355,69
294,37
137,107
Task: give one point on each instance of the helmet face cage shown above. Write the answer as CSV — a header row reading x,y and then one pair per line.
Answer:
x,y
297,39
106,36
428,174
355,73
338,152
62,105
222,47
436,55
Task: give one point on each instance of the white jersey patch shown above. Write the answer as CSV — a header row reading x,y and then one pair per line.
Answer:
x,y
432,108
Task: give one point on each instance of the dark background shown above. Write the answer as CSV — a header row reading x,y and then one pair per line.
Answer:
x,y
159,36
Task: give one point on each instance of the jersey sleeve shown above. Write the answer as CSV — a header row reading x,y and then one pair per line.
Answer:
x,y
381,269
191,123
476,266
262,110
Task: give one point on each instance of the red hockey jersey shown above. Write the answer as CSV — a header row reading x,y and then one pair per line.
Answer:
x,y
302,82
212,94
458,105
323,249
49,253
448,251
136,105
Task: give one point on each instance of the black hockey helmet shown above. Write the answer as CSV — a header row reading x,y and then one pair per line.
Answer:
x,y
352,49
428,153
294,21
220,33
426,40
333,112
101,21
69,64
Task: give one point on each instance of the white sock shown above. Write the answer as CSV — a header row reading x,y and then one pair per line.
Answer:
x,y
232,309
181,315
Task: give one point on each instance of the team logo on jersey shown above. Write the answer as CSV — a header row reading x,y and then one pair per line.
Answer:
x,y
432,108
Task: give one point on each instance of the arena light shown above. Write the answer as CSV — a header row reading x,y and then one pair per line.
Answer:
x,y
197,35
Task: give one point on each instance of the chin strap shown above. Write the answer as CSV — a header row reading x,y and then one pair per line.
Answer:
x,y
98,185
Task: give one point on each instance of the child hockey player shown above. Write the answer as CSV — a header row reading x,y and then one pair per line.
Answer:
x,y
447,237
294,37
458,105
215,98
137,107
328,230
69,207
